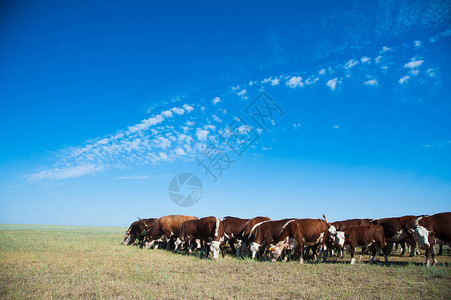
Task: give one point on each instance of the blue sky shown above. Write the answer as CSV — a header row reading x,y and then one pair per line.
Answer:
x,y
102,104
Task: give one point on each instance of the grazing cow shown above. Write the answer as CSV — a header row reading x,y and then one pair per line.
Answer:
x,y
233,229
211,231
244,236
187,234
166,228
138,230
264,233
341,226
429,229
300,233
363,236
398,229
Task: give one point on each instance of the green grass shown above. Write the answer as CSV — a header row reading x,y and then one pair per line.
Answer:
x,y
90,262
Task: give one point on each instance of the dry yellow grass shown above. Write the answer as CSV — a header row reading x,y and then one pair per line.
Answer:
x,y
90,262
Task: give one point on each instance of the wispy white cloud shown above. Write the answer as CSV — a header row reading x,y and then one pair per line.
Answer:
x,y
332,83
404,79
365,60
294,81
372,82
274,81
351,63
413,63
178,110
216,100
385,49
66,173
322,72
430,72
417,44
188,108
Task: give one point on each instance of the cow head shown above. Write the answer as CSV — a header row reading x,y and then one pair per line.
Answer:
x,y
254,248
276,250
214,248
129,239
332,232
420,234
340,238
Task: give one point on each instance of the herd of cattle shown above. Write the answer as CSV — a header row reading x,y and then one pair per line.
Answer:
x,y
288,238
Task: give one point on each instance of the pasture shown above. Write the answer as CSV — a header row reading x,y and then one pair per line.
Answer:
x,y
90,262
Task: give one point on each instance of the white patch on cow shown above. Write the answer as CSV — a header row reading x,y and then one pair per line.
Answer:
x,y
217,227
177,243
288,222
254,247
214,248
421,236
332,231
320,239
399,235
255,226
352,261
340,235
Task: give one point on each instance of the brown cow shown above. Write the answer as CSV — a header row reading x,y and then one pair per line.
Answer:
x,y
300,233
166,227
341,226
429,229
211,231
264,233
245,234
187,235
363,236
233,230
138,230
398,229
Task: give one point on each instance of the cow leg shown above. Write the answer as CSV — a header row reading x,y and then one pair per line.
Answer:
x,y
373,251
403,246
352,254
428,256
412,243
324,250
440,251
222,246
301,251
232,244
362,253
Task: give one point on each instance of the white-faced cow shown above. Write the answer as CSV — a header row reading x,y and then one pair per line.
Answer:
x,y
429,230
299,233
233,231
138,230
244,236
211,231
166,228
341,226
363,236
397,230
187,235
263,234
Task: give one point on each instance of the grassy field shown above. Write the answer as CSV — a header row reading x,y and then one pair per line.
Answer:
x,y
90,262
